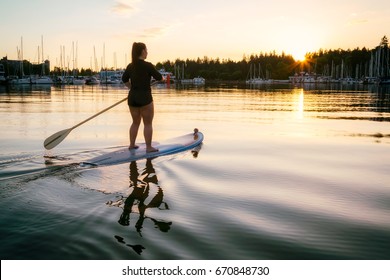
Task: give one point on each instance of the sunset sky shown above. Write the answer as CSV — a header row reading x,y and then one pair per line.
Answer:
x,y
186,29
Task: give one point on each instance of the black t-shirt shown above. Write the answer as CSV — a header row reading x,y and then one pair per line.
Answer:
x,y
140,93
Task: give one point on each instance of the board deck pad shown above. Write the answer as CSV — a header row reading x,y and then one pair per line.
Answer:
x,y
171,146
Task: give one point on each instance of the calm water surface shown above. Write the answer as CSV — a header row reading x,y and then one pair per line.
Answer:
x,y
283,173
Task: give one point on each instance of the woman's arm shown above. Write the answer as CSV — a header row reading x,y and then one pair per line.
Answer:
x,y
154,73
126,77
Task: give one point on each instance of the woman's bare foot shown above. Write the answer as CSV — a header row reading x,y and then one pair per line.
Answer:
x,y
133,147
151,150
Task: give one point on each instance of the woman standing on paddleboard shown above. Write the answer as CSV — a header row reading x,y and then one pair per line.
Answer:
x,y
137,78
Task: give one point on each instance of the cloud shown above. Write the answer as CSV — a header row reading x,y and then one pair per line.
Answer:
x,y
146,32
152,32
142,34
355,20
124,7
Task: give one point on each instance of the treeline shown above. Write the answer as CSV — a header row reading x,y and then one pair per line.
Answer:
x,y
355,63
321,61
273,66
338,63
57,71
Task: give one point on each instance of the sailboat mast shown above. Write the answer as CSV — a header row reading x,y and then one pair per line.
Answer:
x,y
63,59
43,59
21,56
77,54
95,59
104,56
42,48
73,57
21,48
60,59
115,62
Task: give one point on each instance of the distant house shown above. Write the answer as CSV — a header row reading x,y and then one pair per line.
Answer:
x,y
22,68
2,74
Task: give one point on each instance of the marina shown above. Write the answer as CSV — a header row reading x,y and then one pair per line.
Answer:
x,y
114,78
325,67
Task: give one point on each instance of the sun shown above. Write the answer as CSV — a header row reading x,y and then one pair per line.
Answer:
x,y
301,58
299,55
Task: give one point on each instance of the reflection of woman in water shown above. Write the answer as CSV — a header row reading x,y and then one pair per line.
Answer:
x,y
142,185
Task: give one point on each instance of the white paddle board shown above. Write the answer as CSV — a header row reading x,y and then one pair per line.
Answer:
x,y
171,146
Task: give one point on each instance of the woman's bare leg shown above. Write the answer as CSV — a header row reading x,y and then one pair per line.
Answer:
x,y
133,131
147,113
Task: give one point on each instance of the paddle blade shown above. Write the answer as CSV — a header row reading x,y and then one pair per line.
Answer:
x,y
56,139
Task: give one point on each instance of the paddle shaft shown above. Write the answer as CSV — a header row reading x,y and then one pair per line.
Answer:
x,y
97,114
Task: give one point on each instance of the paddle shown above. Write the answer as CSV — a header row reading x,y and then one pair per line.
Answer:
x,y
57,137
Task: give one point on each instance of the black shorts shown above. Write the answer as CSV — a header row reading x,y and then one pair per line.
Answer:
x,y
139,98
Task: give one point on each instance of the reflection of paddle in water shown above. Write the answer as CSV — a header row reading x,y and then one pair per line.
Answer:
x,y
142,185
137,248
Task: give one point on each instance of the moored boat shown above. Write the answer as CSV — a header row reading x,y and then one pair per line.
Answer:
x,y
78,81
15,80
167,76
43,80
199,81
111,77
92,81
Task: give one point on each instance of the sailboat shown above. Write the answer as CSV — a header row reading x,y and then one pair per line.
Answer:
x,y
43,79
15,80
256,80
22,79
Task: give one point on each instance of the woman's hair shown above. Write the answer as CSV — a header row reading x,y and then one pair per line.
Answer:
x,y
136,51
